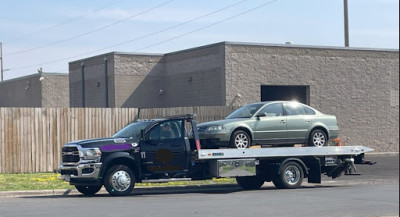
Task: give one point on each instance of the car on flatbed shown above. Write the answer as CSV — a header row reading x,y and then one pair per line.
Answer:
x,y
277,123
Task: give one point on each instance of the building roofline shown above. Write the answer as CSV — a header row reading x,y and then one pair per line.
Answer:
x,y
231,43
117,53
33,75
309,46
196,48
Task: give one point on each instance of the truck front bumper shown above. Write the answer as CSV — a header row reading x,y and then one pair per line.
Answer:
x,y
81,171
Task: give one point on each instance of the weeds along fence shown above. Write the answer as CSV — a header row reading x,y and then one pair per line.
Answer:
x,y
31,138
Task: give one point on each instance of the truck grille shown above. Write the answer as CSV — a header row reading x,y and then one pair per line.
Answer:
x,y
70,154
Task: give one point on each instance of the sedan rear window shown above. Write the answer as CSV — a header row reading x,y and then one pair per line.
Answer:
x,y
294,109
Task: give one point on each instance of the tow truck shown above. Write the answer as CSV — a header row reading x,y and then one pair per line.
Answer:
x,y
142,152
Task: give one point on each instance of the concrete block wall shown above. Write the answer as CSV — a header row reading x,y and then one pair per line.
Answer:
x,y
31,91
196,77
355,85
95,89
138,80
55,90
21,92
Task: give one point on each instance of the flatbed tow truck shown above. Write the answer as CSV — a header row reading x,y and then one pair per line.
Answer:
x,y
121,161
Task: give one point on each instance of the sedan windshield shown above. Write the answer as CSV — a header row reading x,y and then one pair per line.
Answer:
x,y
132,131
245,112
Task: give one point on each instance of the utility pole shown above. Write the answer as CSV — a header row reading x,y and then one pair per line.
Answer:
x,y
346,23
1,59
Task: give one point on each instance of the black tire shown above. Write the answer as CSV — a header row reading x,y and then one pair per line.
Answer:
x,y
88,190
119,180
250,182
291,175
317,138
240,140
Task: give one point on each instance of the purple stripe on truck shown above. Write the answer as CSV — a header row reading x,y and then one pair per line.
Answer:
x,y
125,146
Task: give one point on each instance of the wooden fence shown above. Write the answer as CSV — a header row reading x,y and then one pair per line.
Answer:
x,y
31,138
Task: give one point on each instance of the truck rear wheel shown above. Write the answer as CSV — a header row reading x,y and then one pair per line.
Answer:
x,y
119,180
291,175
88,190
250,182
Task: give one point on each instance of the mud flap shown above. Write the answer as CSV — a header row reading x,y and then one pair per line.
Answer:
x,y
314,175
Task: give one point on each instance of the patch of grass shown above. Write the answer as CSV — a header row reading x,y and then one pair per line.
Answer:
x,y
32,181
49,181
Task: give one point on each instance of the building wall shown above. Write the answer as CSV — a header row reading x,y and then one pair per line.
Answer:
x,y
55,90
21,92
138,80
359,87
196,77
95,89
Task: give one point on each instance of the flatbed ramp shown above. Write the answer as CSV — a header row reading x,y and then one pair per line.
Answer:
x,y
208,154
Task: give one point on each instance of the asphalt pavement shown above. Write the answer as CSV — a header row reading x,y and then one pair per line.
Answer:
x,y
374,193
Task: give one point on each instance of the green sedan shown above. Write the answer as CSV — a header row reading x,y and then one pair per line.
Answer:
x,y
278,123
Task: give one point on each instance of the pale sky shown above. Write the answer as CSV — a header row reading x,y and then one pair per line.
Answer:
x,y
48,34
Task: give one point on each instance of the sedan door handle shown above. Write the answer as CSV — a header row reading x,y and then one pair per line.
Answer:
x,y
283,121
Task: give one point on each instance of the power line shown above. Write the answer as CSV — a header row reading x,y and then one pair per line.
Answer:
x,y
62,23
138,38
208,26
92,31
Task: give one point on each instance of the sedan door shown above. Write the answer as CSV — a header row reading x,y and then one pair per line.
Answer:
x,y
298,122
270,125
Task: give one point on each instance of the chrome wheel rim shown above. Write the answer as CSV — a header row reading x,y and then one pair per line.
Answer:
x,y
319,139
292,175
121,180
241,141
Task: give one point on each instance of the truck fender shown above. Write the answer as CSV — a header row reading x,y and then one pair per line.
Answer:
x,y
295,160
121,158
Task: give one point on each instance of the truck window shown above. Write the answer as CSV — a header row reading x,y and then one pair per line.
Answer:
x,y
167,130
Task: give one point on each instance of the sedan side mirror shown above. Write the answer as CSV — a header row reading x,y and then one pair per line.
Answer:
x,y
261,114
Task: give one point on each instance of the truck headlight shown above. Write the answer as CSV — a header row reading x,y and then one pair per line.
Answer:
x,y
215,128
90,154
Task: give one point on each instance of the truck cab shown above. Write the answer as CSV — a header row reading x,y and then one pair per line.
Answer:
x,y
145,150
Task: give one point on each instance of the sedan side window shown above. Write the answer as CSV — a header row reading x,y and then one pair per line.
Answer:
x,y
294,109
309,111
274,110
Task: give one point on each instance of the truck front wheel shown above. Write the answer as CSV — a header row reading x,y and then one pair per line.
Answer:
x,y
88,190
250,182
291,175
119,180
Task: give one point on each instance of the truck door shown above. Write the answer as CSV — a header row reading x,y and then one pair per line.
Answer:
x,y
163,148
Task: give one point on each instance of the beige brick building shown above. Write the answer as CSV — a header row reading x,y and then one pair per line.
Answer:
x,y
359,86
37,90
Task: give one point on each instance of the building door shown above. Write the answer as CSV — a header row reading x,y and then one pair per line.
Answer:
x,y
287,93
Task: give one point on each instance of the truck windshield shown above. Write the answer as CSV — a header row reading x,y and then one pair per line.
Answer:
x,y
245,112
132,131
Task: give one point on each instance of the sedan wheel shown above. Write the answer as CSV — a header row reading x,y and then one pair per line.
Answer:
x,y
318,138
240,140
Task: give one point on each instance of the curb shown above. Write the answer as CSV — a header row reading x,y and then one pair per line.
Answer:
x,y
139,190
